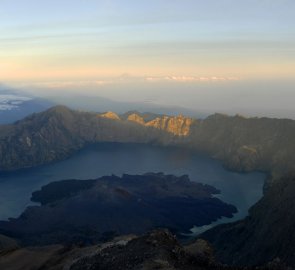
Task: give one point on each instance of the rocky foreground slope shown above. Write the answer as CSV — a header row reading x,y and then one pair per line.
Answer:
x,y
156,250
243,144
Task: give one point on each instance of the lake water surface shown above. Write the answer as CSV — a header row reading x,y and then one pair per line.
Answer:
x,y
242,190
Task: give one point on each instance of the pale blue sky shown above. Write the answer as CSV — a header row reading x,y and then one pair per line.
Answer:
x,y
62,43
224,35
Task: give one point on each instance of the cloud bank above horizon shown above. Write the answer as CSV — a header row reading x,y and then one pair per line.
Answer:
x,y
217,55
71,39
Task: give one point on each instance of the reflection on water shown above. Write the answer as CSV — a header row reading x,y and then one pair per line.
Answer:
x,y
242,190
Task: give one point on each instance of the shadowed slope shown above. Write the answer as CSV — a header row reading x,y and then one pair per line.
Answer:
x,y
267,233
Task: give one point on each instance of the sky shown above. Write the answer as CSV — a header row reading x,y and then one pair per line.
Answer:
x,y
137,50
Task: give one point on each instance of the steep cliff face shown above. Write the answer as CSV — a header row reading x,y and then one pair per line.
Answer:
x,y
268,233
179,125
176,125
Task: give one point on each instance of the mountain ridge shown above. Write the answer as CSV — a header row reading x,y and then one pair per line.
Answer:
x,y
265,235
242,144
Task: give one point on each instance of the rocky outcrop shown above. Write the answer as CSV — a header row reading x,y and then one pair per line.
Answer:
x,y
136,118
267,234
110,115
179,126
88,211
156,250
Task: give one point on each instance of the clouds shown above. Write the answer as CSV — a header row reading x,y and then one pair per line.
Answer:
x,y
10,101
124,80
191,79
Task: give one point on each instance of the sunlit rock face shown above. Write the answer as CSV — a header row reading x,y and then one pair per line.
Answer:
x,y
177,125
110,115
136,118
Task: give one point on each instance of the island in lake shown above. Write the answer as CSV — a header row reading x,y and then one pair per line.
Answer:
x,y
92,211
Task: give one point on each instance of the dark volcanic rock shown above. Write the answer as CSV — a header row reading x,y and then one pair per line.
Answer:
x,y
267,234
7,244
90,211
156,250
61,190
